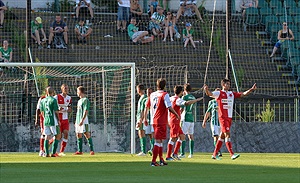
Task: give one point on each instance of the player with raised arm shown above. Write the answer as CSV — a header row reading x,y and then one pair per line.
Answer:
x,y
139,117
159,104
225,99
188,121
38,115
64,103
176,133
82,125
49,110
212,113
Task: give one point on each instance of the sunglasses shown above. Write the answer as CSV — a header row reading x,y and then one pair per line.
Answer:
x,y
284,24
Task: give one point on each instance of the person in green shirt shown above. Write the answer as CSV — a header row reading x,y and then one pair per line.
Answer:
x,y
6,54
140,89
50,111
187,121
212,112
37,25
187,35
82,125
137,36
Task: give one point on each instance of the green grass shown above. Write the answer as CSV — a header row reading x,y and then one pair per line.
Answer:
x,y
118,167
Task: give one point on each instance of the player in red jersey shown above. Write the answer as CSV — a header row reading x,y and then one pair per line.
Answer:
x,y
176,132
64,102
225,99
159,104
38,115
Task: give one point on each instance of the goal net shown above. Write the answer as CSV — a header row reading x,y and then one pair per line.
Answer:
x,y
110,88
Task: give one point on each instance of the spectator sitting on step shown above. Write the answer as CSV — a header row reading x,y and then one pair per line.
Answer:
x,y
152,7
284,34
247,4
188,8
170,27
2,9
84,4
37,25
156,22
6,54
137,36
58,28
136,11
187,34
82,31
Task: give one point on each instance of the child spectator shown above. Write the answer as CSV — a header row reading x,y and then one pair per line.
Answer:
x,y
170,26
37,25
138,36
82,32
187,34
2,9
157,19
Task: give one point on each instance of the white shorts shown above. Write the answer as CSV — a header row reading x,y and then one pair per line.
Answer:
x,y
215,130
148,129
83,128
137,34
187,127
51,130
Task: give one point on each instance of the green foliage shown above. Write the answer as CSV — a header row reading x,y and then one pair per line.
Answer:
x,y
19,39
42,80
268,114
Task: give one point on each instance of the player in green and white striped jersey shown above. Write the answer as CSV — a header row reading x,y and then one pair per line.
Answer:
x,y
212,112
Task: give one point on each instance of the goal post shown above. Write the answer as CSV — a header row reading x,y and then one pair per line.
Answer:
x,y
110,87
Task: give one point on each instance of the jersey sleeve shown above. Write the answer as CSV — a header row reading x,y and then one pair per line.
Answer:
x,y
148,104
210,106
216,94
86,105
38,105
41,106
237,94
167,101
180,102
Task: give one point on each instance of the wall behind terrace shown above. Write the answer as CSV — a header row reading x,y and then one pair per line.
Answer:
x,y
174,4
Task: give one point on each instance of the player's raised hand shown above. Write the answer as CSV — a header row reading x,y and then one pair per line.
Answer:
x,y
205,87
253,87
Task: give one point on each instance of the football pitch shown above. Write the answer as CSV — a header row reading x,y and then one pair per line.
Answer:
x,y
120,167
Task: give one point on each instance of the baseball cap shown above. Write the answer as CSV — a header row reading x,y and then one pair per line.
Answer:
x,y
39,20
188,25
